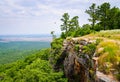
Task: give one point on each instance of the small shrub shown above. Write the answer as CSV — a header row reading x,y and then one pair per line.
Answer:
x,y
89,49
98,41
77,47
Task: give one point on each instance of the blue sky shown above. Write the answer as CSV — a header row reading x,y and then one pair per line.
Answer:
x,y
42,16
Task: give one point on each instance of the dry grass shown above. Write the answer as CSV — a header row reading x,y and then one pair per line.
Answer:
x,y
110,47
108,51
111,34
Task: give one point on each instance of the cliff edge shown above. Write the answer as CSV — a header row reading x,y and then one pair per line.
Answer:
x,y
91,58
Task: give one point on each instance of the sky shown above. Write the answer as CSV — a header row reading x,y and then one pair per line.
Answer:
x,y
42,16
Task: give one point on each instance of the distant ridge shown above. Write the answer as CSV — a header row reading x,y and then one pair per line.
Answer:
x,y
8,38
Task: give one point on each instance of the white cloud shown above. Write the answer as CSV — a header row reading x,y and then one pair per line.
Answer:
x,y
57,7
36,10
43,13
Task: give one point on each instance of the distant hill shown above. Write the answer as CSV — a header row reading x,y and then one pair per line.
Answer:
x,y
15,47
7,38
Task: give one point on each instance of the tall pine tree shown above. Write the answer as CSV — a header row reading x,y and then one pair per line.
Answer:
x,y
93,14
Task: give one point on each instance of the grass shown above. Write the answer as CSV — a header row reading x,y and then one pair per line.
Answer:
x,y
108,51
111,34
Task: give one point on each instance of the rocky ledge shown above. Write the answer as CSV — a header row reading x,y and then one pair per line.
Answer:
x,y
80,63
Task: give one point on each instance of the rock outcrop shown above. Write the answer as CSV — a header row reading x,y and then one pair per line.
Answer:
x,y
78,65
79,62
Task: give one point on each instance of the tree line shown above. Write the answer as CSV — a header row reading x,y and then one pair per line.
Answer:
x,y
102,17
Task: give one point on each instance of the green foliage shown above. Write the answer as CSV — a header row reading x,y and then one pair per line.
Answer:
x,y
103,11
65,25
35,68
57,43
69,26
93,14
98,27
89,49
98,41
86,29
63,35
103,17
77,47
113,22
74,24
56,49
